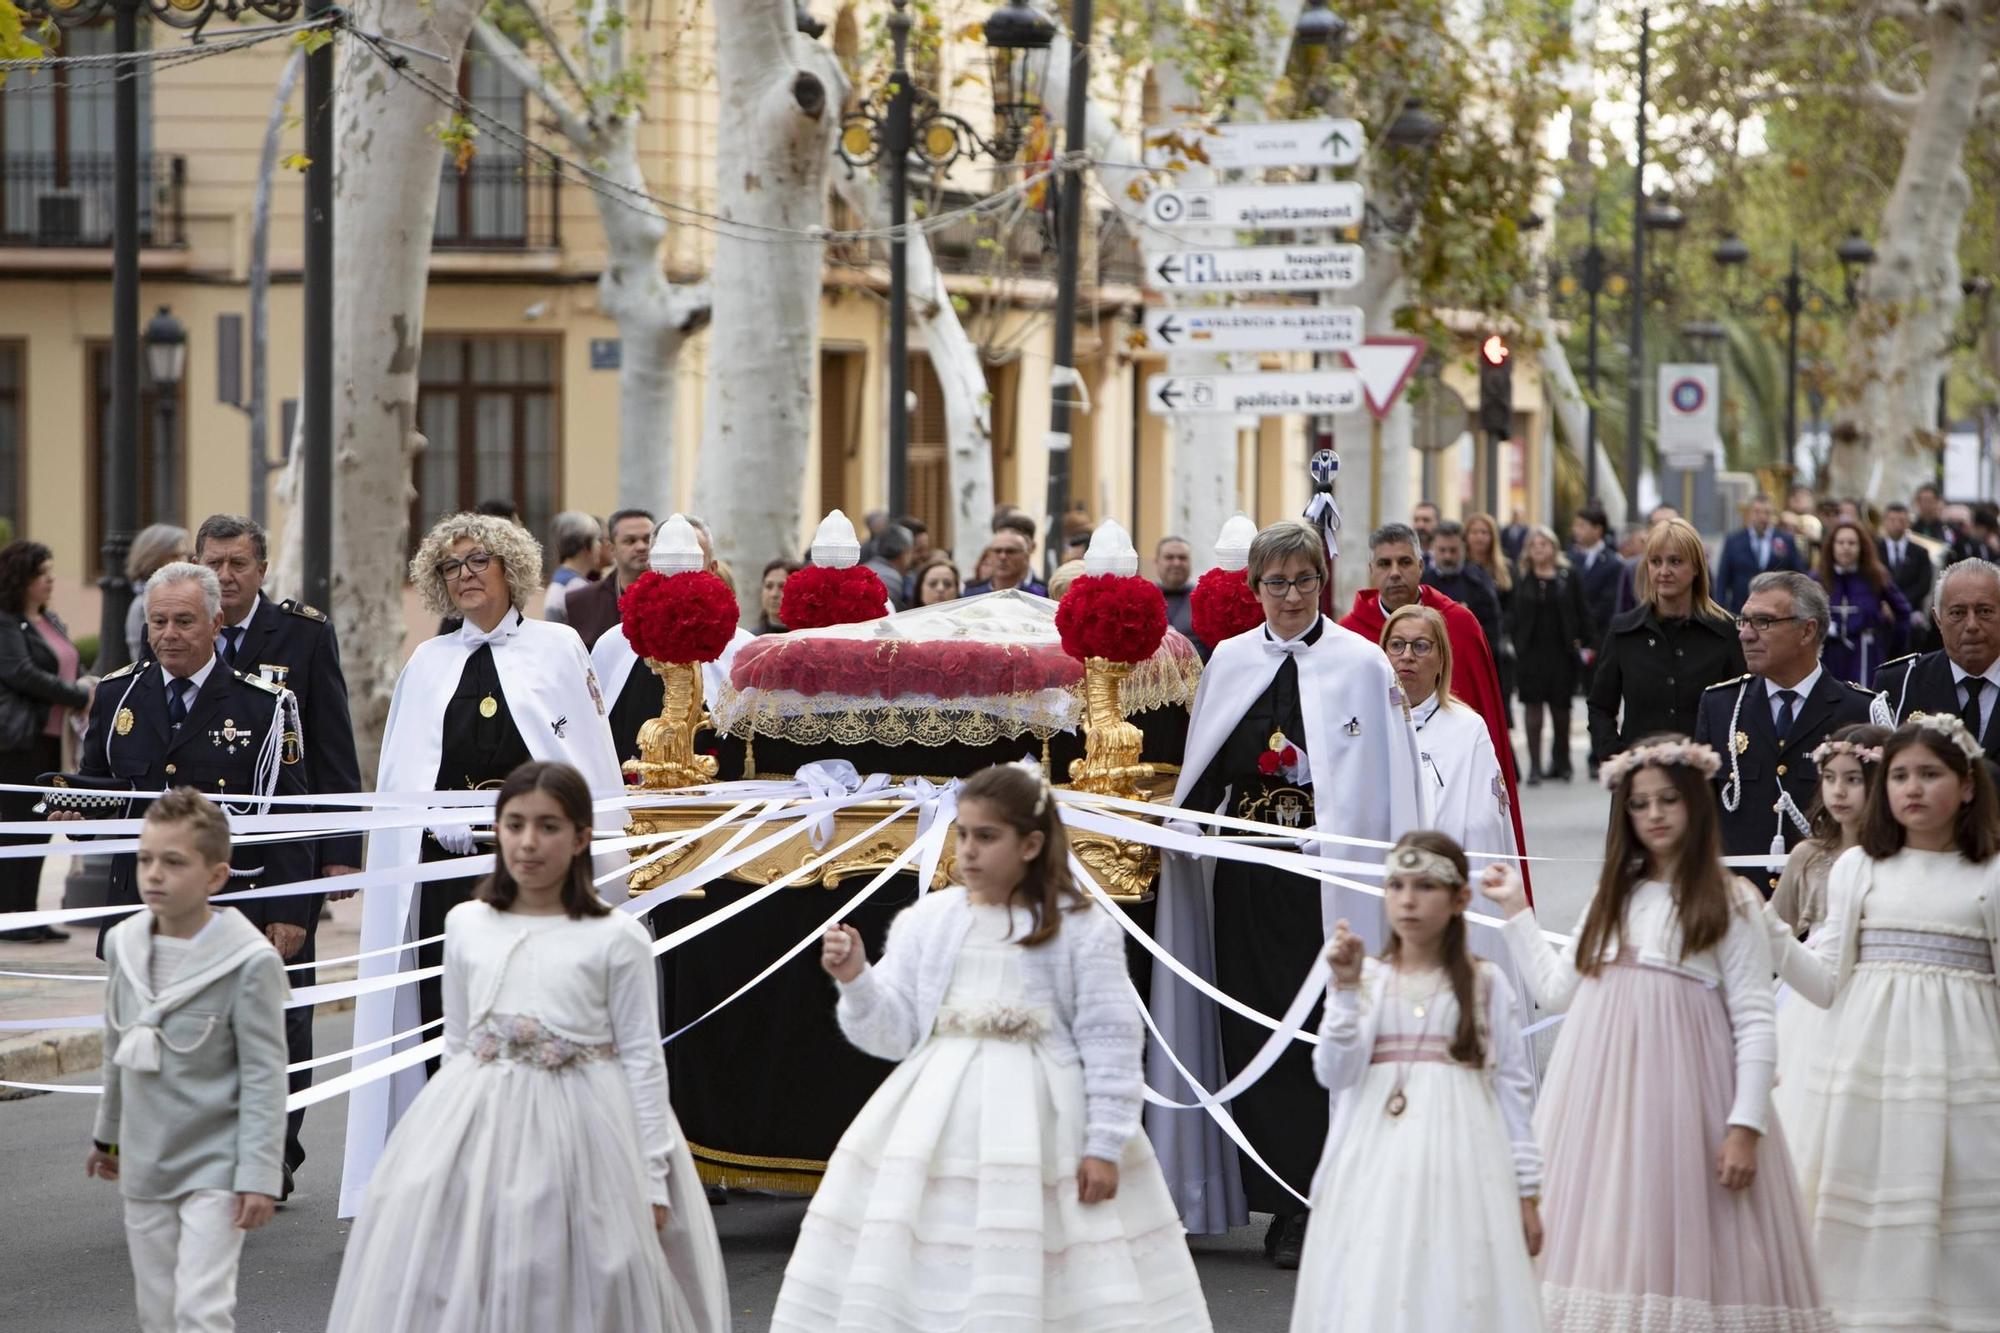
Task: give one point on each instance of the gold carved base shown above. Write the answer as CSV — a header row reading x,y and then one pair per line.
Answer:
x,y
1110,765
666,743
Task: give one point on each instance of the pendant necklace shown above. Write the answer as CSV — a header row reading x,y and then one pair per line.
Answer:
x,y
1398,1101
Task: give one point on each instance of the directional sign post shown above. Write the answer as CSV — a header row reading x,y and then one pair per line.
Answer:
x,y
1290,143
1249,329
1266,268
1268,207
1306,392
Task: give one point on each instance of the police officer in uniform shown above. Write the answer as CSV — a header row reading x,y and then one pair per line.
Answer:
x,y
1963,677
290,645
1766,724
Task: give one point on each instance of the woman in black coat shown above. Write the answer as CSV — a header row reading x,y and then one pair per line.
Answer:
x,y
1658,657
38,687
1549,630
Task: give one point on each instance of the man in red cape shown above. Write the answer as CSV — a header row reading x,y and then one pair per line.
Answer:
x,y
1395,568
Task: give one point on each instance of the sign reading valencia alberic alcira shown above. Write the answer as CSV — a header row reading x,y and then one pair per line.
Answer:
x,y
1266,268
1319,392
1330,328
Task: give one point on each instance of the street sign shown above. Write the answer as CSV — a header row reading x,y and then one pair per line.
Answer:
x,y
1690,414
1249,329
1308,392
1289,143
1271,207
1257,268
1385,364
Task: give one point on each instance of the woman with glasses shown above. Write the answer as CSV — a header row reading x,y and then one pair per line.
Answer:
x,y
1551,629
1658,657
470,707
1300,727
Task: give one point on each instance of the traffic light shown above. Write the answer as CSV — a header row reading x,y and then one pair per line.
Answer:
x,y
1496,386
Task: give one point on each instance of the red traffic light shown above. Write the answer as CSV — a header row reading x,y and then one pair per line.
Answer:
x,y
1494,351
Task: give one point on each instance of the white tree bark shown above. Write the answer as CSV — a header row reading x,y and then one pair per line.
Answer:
x,y
780,97
260,288
384,130
654,316
968,411
1565,397
1900,341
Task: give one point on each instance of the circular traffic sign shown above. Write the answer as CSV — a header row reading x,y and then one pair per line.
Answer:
x,y
1168,206
1688,395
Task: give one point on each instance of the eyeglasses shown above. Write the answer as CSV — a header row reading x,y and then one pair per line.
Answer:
x,y
451,571
1414,647
1307,584
1762,624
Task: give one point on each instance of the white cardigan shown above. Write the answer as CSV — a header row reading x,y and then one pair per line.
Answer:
x,y
1080,975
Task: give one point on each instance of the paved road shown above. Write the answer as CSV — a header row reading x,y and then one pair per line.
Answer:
x,y
63,1268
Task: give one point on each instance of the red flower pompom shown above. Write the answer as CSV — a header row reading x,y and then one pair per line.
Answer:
x,y
1223,606
1267,762
816,597
687,617
1117,616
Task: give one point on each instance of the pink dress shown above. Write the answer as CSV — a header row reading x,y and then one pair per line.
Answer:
x,y
67,664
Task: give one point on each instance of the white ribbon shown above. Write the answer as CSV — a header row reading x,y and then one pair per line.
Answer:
x,y
836,777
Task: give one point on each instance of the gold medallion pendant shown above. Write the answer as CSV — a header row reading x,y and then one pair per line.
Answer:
x,y
488,706
1398,1103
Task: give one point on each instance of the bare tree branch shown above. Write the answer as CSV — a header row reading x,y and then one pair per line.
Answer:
x,y
494,44
546,30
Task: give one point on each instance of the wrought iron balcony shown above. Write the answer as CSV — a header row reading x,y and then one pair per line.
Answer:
x,y
65,199
499,204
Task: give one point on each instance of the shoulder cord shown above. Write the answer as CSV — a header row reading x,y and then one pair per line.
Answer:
x,y
1732,790
271,755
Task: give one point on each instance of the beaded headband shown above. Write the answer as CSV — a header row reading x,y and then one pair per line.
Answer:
x,y
1952,728
1034,770
1866,754
1422,864
1660,754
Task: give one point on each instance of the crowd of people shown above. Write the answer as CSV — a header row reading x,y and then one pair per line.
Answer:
x,y
1757,704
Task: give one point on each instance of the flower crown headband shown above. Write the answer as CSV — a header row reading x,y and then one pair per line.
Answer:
x,y
1952,728
1034,770
1865,754
1660,754
1424,864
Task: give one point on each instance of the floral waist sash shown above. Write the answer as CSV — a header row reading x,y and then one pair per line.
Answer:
x,y
1928,948
1008,1022
521,1039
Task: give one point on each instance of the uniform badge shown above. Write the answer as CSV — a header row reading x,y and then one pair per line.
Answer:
x,y
596,695
1500,792
274,673
489,706
1353,727
122,724
289,749
229,737
1741,742
557,727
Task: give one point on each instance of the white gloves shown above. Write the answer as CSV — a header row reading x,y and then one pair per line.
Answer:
x,y
455,838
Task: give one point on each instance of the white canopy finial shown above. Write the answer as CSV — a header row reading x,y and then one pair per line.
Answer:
x,y
1111,550
834,545
1232,544
676,548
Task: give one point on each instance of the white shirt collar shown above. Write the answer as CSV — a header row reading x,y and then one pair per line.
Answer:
x,y
1991,675
1592,550
1425,711
1293,637
199,678
1803,689
249,615
510,624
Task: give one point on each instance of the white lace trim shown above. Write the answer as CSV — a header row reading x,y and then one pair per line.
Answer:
x,y
1575,1310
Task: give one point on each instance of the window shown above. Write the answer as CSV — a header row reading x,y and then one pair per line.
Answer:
x,y
162,471
13,420
499,200
56,149
487,408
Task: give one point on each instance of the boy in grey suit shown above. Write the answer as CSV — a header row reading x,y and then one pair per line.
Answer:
x,y
192,1121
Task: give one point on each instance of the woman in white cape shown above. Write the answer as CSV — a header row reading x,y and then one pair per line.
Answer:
x,y
468,708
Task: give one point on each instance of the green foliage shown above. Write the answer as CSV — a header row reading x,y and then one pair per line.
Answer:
x,y
86,648
15,43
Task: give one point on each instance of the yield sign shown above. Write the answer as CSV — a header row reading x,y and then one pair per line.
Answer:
x,y
1385,364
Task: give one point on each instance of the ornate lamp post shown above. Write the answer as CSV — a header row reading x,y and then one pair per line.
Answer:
x,y
166,366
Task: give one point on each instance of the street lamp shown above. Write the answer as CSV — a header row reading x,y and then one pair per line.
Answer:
x,y
166,364
1796,296
1318,39
899,120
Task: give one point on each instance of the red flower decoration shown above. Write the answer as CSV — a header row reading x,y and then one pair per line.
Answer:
x,y
1117,616
816,597
1223,606
678,617
1267,762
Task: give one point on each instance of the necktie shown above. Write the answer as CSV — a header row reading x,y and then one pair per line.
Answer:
x,y
1973,685
177,706
1787,710
232,636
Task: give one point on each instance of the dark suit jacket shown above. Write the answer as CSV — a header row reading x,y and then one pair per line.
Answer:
x,y
28,670
291,644
592,608
1913,574
215,750
1924,684
1600,589
1764,763
1472,587
1737,564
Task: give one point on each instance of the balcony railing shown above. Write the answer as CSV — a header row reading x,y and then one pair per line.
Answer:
x,y
65,199
499,204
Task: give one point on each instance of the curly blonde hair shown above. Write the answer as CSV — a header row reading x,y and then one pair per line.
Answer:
x,y
518,552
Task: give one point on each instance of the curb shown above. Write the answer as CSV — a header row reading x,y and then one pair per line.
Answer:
x,y
38,1057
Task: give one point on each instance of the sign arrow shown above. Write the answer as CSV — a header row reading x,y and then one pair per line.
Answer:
x,y
1169,269
1168,394
1253,329
1168,331
1338,142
